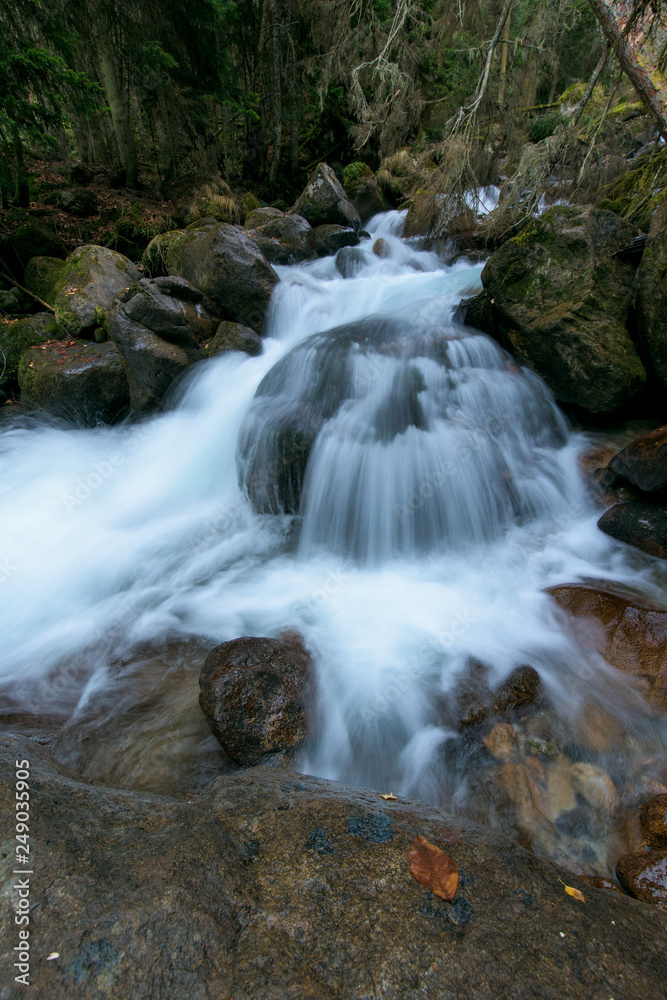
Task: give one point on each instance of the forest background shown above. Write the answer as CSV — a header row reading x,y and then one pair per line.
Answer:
x,y
249,95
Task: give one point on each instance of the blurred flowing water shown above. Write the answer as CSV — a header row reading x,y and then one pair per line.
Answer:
x,y
441,496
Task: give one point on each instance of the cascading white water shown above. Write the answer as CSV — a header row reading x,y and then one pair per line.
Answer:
x,y
441,496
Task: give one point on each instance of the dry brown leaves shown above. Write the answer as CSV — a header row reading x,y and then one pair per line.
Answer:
x,y
433,868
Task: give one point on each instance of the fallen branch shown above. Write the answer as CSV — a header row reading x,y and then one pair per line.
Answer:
x,y
27,291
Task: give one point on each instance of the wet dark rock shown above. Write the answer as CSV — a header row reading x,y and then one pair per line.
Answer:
x,y
653,821
381,248
603,484
77,380
350,261
652,296
558,297
643,874
329,239
222,261
629,633
280,428
250,908
643,463
160,327
233,337
642,525
476,701
253,696
521,688
324,201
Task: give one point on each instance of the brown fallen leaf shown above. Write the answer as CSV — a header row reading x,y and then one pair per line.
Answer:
x,y
433,868
571,891
389,798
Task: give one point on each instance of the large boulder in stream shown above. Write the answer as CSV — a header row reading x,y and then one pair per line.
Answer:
x,y
375,383
284,239
28,331
233,337
292,240
642,525
76,380
628,632
323,201
652,296
253,695
161,327
279,885
91,279
558,297
222,261
362,188
643,463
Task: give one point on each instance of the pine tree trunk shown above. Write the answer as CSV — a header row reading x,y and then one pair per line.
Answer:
x,y
22,197
634,53
127,149
277,118
503,60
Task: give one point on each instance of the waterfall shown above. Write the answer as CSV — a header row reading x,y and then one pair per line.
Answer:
x,y
381,479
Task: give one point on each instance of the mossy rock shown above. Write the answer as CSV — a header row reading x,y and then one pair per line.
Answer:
x,y
400,164
261,216
233,337
248,203
17,337
33,238
221,261
42,275
88,284
561,300
81,381
165,253
364,192
354,172
323,201
78,202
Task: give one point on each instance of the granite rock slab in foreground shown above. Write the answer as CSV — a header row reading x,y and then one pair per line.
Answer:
x,y
273,885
